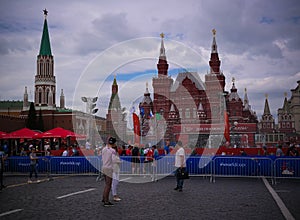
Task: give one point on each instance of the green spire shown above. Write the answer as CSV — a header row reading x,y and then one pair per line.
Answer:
x,y
115,81
45,48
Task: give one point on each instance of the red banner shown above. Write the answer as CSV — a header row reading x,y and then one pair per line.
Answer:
x,y
136,128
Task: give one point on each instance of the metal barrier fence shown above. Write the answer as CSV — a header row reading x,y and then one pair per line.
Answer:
x,y
286,167
242,167
217,166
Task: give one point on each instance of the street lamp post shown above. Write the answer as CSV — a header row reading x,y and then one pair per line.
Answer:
x,y
90,110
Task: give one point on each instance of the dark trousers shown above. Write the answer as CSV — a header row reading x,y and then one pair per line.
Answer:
x,y
179,181
33,169
107,187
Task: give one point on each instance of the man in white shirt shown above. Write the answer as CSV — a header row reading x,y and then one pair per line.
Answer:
x,y
87,145
107,169
65,153
180,163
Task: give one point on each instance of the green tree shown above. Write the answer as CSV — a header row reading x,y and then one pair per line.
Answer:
x,y
31,121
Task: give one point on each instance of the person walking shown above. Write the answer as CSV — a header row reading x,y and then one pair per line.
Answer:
x,y
33,165
116,175
180,163
107,169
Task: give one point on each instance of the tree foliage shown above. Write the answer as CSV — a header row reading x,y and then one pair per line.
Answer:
x,y
31,121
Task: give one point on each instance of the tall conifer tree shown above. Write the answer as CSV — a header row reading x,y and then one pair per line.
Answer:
x,y
31,121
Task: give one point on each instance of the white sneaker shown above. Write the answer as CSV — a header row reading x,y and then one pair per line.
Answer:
x,y
117,199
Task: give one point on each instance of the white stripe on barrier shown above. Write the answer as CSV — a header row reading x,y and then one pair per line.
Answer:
x,y
286,213
75,193
10,212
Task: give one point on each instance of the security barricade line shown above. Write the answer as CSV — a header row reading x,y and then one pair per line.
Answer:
x,y
75,165
164,166
287,167
242,167
218,166
21,164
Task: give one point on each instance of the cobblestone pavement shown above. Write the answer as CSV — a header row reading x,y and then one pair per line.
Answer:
x,y
79,197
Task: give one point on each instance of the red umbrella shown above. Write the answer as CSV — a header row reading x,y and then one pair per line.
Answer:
x,y
58,133
3,135
23,133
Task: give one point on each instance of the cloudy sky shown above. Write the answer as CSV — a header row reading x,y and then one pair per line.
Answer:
x,y
258,44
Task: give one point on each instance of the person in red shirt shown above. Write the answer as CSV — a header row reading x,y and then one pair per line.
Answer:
x,y
128,151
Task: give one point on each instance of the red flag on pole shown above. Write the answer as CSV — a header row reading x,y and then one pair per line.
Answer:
x,y
227,127
136,128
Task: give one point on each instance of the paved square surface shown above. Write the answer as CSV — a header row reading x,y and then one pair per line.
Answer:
x,y
79,197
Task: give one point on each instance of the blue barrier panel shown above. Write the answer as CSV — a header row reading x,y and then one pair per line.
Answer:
x,y
17,164
199,165
165,165
243,166
287,167
22,164
73,165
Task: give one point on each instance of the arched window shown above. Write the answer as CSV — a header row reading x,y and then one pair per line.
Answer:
x,y
40,96
194,113
47,96
47,68
187,113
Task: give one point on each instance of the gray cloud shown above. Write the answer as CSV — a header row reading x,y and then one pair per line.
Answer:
x,y
258,41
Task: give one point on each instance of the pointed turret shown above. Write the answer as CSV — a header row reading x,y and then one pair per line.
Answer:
x,y
172,117
233,92
25,99
62,99
267,123
285,104
201,112
162,65
114,103
267,108
115,117
45,48
246,101
146,105
214,43
214,62
114,87
44,78
162,54
147,99
215,80
172,109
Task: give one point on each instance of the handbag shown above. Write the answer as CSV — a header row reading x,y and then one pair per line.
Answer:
x,y
182,173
